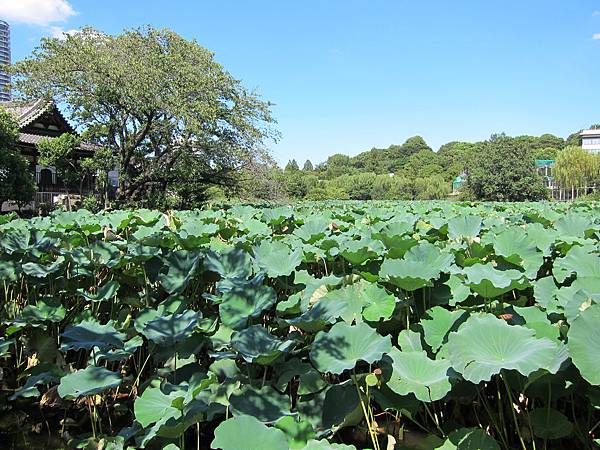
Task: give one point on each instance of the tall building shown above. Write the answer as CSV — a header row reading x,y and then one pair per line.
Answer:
x,y
590,140
4,60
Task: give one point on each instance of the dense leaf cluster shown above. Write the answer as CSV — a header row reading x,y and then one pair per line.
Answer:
x,y
322,326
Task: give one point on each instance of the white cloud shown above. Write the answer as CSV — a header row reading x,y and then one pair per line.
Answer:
x,y
61,33
596,13
596,37
36,12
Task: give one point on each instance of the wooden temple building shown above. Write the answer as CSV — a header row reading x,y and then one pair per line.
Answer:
x,y
38,120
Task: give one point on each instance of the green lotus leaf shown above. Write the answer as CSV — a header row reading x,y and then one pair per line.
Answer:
x,y
277,216
548,423
15,241
297,432
469,439
357,252
171,329
5,345
518,248
104,293
230,263
329,410
256,344
47,309
266,404
153,405
89,334
357,301
584,343
276,259
42,374
464,227
129,348
42,271
193,229
380,304
344,345
312,230
578,261
414,373
437,324
409,341
537,320
240,304
310,380
314,288
573,226
326,445
89,381
458,289
104,253
245,432
182,266
490,282
9,270
484,345
544,292
421,265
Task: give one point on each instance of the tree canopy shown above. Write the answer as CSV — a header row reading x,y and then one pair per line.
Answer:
x,y
173,116
504,171
16,181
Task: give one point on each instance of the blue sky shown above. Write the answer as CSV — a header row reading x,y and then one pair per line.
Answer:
x,y
348,75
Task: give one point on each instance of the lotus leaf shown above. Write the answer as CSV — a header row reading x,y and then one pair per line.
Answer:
x,y
464,227
414,373
230,263
344,345
276,259
584,343
89,381
484,345
326,445
266,404
89,334
105,292
548,423
245,432
437,324
256,344
240,304
297,432
421,265
409,341
47,309
170,329
469,439
181,268
490,282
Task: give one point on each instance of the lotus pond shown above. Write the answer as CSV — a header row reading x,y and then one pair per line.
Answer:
x,y
351,325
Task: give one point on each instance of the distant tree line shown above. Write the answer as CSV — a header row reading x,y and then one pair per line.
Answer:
x,y
501,168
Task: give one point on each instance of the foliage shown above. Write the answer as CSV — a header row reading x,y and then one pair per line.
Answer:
x,y
467,325
576,167
308,166
504,171
173,117
16,181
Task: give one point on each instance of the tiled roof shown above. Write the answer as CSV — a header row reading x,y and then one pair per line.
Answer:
x,y
27,112
592,132
34,139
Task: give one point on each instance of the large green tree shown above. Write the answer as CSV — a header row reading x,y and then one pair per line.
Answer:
x,y
16,181
159,102
504,170
576,168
